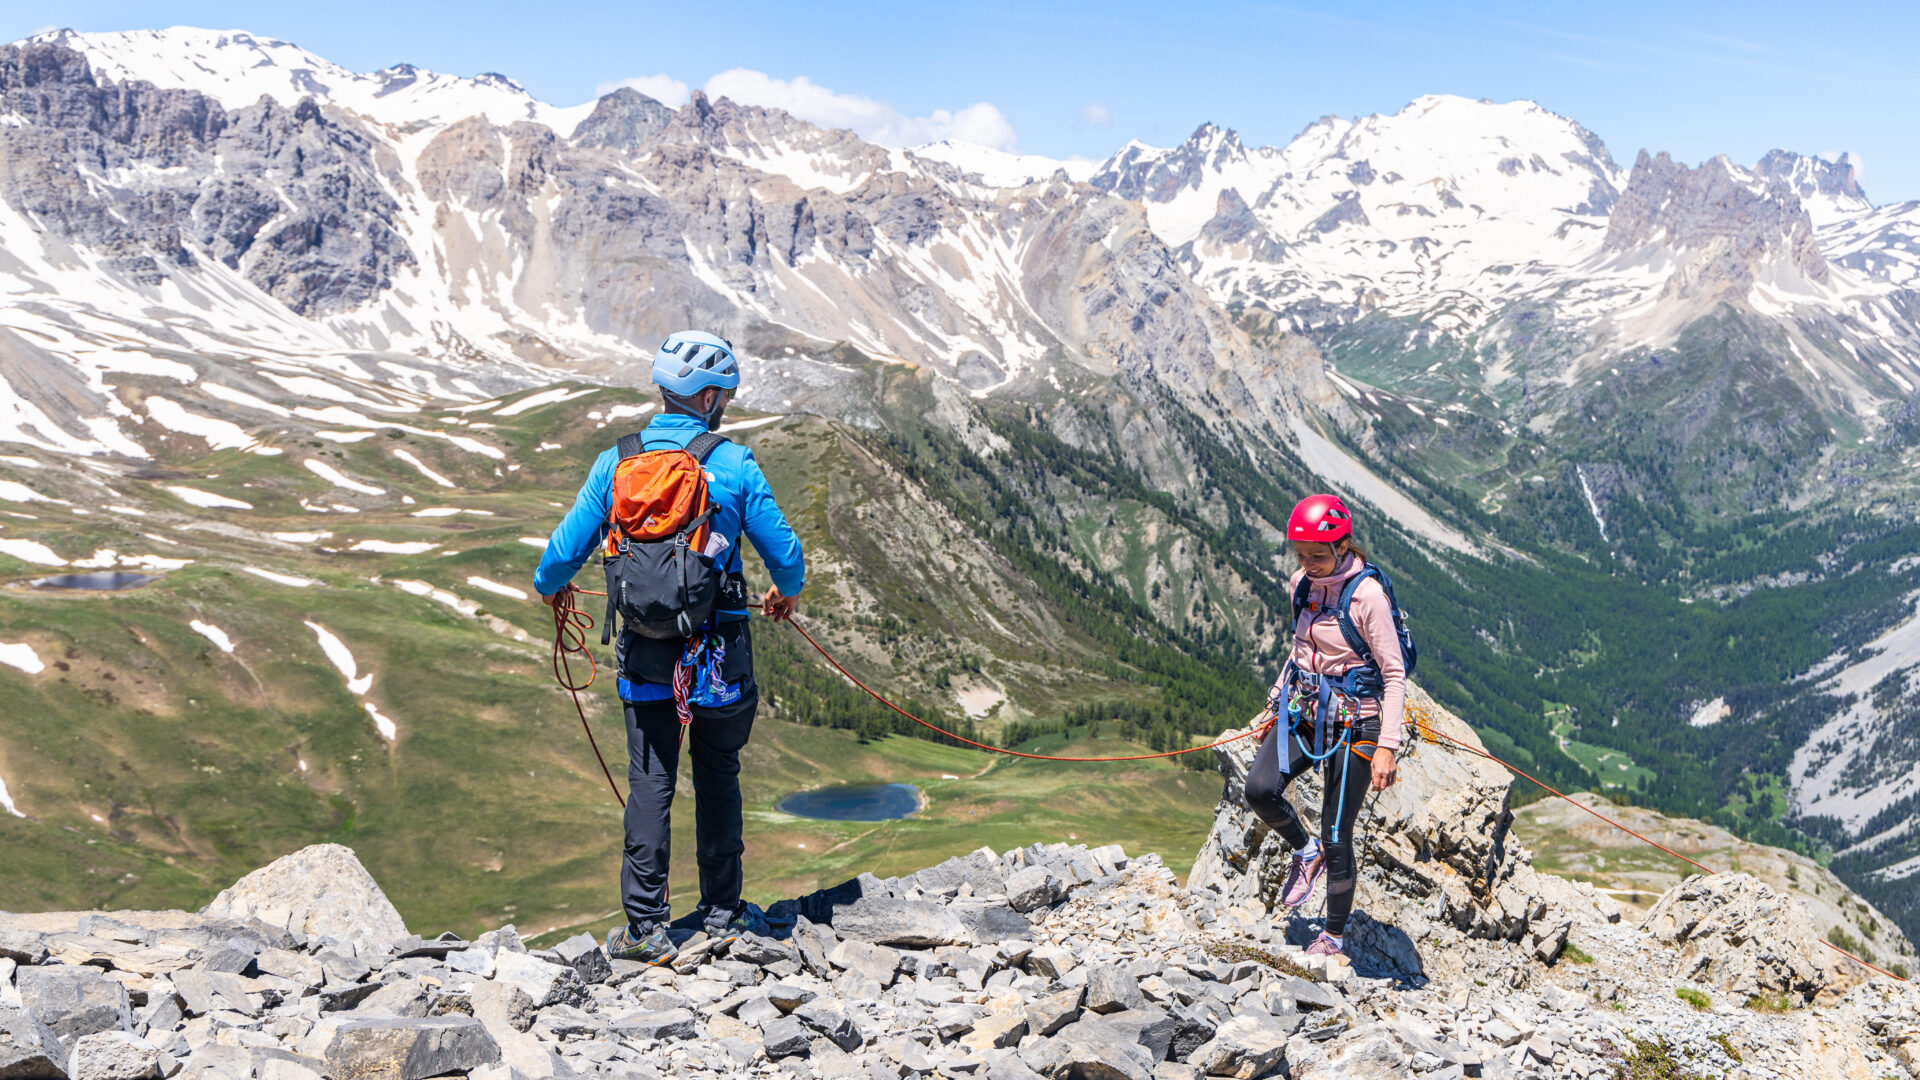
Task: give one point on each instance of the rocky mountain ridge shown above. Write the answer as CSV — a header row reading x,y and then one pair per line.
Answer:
x,y
1466,314
1053,960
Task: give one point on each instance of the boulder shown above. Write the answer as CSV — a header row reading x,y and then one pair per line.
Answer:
x,y
321,891
785,1037
545,983
667,1024
1033,887
583,954
876,962
117,1055
29,1049
830,1019
913,924
1368,1054
396,1048
1110,990
23,946
74,1001
1735,933
1245,1047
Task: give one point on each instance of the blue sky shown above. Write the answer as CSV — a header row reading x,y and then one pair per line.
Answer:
x,y
1083,78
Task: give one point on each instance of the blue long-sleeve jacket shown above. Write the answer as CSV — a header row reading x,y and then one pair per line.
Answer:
x,y
736,487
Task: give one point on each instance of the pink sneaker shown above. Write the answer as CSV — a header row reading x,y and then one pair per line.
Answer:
x,y
1302,876
1325,946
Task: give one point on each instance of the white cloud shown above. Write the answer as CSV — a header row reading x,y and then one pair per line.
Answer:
x,y
664,89
1095,115
876,121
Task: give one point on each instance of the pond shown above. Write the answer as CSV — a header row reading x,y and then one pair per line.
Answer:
x,y
97,580
853,802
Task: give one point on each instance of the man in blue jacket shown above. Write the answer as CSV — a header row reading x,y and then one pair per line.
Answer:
x,y
697,375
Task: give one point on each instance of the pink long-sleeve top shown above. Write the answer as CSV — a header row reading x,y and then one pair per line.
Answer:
x,y
1320,647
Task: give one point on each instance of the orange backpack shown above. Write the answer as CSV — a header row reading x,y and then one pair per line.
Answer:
x,y
659,577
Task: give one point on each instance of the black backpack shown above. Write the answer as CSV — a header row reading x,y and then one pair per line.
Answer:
x,y
1357,641
659,580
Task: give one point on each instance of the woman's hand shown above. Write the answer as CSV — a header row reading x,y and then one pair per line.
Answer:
x,y
1385,769
562,595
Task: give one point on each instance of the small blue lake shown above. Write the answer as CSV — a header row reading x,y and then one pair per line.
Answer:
x,y
853,802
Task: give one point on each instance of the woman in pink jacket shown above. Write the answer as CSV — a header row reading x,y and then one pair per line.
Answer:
x,y
1332,708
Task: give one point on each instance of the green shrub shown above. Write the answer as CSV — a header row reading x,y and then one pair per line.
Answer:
x,y
1575,953
1775,1002
1696,998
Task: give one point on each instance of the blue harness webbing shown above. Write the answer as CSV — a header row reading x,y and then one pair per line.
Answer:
x,y
1330,696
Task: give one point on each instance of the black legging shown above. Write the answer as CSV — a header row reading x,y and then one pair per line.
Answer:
x,y
1350,770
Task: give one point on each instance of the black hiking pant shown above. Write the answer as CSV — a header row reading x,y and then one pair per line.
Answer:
x,y
713,742
1347,775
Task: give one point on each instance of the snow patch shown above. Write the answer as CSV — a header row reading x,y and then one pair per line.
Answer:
x,y
206,500
21,656
535,541
31,551
422,469
280,579
341,658
544,397
6,800
439,596
394,547
333,476
496,588
13,491
388,729
214,634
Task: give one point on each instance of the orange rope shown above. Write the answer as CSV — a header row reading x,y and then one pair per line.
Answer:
x,y
1259,729
570,627
1422,724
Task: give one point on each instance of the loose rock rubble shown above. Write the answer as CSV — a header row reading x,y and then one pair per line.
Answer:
x,y
1055,961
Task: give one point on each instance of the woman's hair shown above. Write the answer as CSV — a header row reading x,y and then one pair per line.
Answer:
x,y
1353,547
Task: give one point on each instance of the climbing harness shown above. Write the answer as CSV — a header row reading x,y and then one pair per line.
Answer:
x,y
1423,724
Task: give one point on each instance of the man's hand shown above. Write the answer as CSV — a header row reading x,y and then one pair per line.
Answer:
x,y
776,607
1385,769
564,595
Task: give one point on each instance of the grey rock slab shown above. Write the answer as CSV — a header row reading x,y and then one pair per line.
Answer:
x,y
1051,1012
502,1006
876,962
23,946
910,923
29,1049
320,891
117,1055
669,1024
1033,887
785,1037
761,951
815,943
758,1011
951,1021
584,955
401,997
1245,1047
1110,989
399,1048
830,1019
212,991
293,966
545,983
995,1031
565,1020
991,921
789,996
1050,961
1151,1027
74,1001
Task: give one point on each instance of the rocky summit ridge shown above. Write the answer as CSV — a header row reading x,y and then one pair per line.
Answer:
x,y
1047,961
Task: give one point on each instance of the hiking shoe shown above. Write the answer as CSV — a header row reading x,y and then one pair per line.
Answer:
x,y
649,946
1302,875
730,925
1325,945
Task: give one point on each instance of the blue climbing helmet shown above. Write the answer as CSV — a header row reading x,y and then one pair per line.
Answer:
x,y
689,361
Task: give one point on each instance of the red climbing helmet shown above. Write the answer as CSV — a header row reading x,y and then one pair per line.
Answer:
x,y
1320,519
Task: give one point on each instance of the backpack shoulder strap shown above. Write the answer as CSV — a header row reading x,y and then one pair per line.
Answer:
x,y
1355,639
629,446
703,445
1300,600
